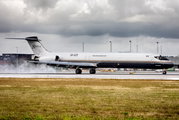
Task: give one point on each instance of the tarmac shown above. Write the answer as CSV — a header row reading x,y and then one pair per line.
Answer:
x,y
146,75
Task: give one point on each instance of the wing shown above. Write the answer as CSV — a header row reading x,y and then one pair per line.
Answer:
x,y
67,64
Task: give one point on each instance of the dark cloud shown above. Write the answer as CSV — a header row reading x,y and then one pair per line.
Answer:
x,y
117,18
40,4
10,18
122,29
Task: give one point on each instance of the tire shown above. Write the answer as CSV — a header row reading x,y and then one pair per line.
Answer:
x,y
78,71
164,72
92,71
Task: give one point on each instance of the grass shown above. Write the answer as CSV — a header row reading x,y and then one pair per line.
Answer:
x,y
41,99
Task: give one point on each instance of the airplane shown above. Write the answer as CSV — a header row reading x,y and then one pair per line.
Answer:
x,y
92,61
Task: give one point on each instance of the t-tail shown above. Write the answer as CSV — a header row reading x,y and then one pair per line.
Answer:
x,y
35,44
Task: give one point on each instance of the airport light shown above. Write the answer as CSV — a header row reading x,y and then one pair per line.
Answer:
x,y
83,45
157,47
110,46
17,59
137,48
130,45
161,50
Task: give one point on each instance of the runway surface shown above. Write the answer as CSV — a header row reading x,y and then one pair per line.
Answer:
x,y
99,75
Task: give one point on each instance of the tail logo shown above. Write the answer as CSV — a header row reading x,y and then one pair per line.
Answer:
x,y
35,46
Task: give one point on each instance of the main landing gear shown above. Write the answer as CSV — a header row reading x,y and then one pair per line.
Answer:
x,y
164,72
78,71
92,71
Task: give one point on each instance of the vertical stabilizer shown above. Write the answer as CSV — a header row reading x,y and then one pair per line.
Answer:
x,y
36,45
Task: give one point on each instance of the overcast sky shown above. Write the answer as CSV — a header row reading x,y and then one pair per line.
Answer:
x,y
64,25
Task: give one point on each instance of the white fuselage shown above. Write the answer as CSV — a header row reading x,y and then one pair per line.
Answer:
x,y
111,60
99,57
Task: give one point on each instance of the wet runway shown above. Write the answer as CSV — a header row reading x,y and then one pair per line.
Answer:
x,y
99,75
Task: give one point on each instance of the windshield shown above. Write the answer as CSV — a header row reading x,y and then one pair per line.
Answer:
x,y
161,57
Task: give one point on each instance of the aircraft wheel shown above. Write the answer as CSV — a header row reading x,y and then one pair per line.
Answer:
x,y
78,71
164,72
92,71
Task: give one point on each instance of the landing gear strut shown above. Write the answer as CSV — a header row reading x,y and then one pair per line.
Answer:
x,y
92,71
78,71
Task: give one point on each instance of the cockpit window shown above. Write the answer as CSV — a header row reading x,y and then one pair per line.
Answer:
x,y
161,57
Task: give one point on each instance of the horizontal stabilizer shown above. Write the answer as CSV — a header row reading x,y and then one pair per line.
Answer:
x,y
36,46
33,38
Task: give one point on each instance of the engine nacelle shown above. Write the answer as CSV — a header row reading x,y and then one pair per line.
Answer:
x,y
36,58
48,58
